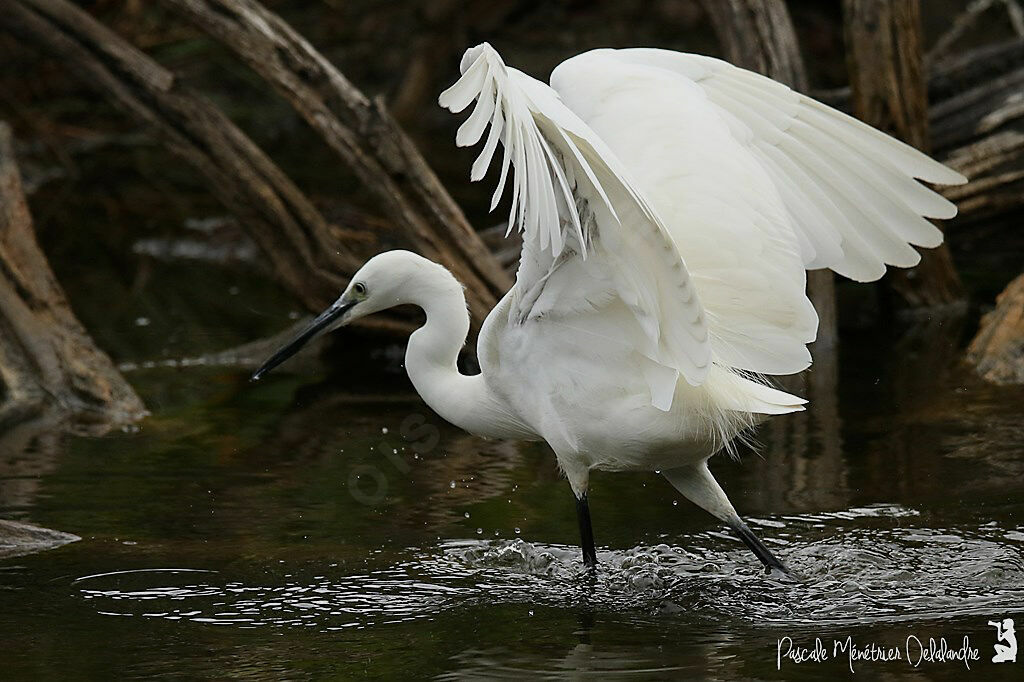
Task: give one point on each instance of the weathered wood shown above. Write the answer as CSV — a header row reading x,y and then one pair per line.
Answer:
x,y
889,91
759,35
967,19
362,133
977,126
48,362
997,350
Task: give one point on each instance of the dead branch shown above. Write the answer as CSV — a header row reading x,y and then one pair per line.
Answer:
x,y
47,360
362,133
289,230
966,19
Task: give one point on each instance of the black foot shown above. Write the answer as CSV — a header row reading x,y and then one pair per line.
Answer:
x,y
771,563
586,533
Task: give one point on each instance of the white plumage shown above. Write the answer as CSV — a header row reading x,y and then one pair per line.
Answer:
x,y
670,206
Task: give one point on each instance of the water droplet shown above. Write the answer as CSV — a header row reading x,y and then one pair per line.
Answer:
x,y
675,503
479,531
384,430
451,484
518,530
466,515
531,612
141,321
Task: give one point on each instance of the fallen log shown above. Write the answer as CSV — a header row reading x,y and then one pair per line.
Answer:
x,y
48,362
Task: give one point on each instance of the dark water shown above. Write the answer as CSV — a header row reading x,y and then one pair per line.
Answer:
x,y
306,527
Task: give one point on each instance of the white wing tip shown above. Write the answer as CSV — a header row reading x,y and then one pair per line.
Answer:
x,y
944,175
470,56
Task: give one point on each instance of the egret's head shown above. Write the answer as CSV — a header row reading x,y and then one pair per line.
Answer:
x,y
384,281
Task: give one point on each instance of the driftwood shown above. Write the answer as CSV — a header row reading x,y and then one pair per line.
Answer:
x,y
48,362
997,351
889,91
966,19
758,35
362,133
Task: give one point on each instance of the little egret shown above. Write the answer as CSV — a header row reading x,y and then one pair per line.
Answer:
x,y
670,205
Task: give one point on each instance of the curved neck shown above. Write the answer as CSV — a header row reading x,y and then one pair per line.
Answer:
x,y
430,358
435,346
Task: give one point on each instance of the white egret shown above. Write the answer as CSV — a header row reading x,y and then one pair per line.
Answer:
x,y
670,205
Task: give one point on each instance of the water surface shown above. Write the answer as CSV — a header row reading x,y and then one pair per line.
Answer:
x,y
318,526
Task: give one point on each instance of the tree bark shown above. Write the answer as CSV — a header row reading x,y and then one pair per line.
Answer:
x,y
362,133
997,351
889,91
759,35
48,362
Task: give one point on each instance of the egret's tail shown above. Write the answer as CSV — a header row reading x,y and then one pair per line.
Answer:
x,y
747,395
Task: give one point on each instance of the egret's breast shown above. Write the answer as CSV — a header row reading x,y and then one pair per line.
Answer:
x,y
586,394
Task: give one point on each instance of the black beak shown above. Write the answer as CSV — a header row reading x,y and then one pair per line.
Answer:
x,y
322,322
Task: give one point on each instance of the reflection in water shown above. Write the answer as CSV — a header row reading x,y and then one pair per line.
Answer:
x,y
873,564
805,449
28,451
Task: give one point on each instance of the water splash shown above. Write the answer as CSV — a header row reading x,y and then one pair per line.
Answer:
x,y
859,565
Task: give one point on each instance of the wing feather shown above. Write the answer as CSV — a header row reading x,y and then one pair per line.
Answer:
x,y
588,233
755,184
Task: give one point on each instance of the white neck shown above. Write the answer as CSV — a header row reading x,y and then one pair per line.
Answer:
x,y
430,358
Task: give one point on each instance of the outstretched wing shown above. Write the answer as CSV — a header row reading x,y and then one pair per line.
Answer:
x,y
755,183
588,234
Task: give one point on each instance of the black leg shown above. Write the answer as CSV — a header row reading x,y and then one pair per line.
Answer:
x,y
769,560
586,532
